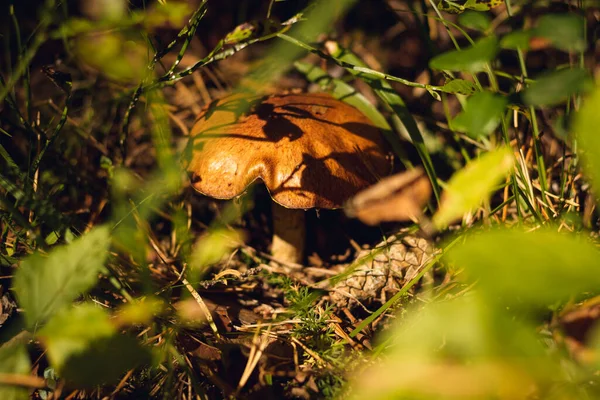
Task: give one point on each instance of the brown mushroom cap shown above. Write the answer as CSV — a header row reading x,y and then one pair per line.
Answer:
x,y
310,150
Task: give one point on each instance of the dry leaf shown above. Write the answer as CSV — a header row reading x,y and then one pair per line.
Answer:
x,y
399,197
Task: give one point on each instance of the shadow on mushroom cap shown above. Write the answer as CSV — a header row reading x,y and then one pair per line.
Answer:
x,y
310,150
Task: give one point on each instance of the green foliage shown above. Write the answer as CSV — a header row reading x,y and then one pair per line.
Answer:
x,y
472,185
482,114
45,284
475,20
564,31
472,59
555,87
459,86
86,349
541,268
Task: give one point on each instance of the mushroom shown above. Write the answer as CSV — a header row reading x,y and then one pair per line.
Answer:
x,y
310,150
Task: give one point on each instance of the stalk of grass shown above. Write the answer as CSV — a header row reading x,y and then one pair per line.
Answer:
x,y
534,123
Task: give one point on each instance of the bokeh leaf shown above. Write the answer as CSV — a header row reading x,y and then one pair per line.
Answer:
x,y
555,87
86,349
564,31
516,40
45,284
14,360
472,59
482,114
471,185
478,21
457,349
531,269
585,126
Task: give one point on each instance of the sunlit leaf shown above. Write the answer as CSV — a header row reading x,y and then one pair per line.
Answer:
x,y
555,87
585,126
45,284
473,184
482,114
111,53
86,349
456,349
564,31
213,246
471,59
14,360
530,269
140,311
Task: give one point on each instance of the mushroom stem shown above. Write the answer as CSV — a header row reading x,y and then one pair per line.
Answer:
x,y
289,234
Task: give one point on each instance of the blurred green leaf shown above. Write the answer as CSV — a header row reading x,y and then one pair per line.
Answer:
x,y
457,349
478,21
516,40
14,360
555,87
213,246
45,284
472,59
321,14
459,86
118,58
530,269
565,31
140,311
473,184
86,349
585,126
482,114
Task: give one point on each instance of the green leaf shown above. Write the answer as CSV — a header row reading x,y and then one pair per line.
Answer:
x,y
86,349
585,126
45,284
459,86
475,20
471,185
459,6
438,347
555,87
213,246
482,114
472,59
516,40
531,269
564,31
14,360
